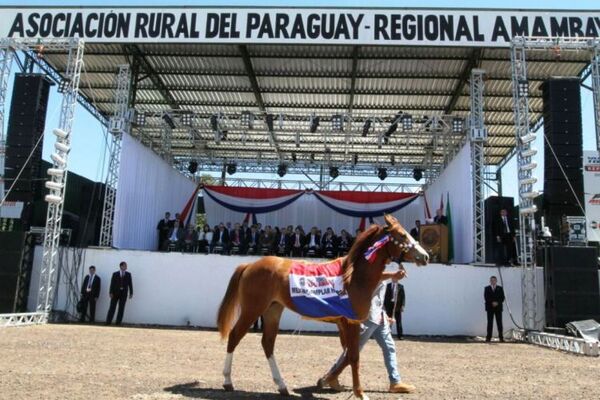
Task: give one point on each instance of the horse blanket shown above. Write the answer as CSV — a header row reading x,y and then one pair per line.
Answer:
x,y
317,291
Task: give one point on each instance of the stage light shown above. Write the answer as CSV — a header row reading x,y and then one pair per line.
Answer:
x,y
407,122
527,181
280,118
530,137
417,174
355,159
314,123
53,185
282,170
334,172
529,153
140,119
63,85
297,139
337,123
168,120
392,128
392,160
193,167
214,122
187,119
366,127
269,121
231,168
60,133
247,119
530,195
457,125
312,157
294,157
59,173
52,198
527,167
61,147
382,173
523,88
58,159
528,210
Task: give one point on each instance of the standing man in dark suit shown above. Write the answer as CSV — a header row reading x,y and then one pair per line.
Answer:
x,y
494,297
120,285
394,295
90,291
163,227
505,238
416,231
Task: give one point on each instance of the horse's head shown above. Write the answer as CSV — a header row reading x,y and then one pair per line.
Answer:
x,y
402,245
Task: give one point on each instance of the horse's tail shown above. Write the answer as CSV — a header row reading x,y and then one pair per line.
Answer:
x,y
229,303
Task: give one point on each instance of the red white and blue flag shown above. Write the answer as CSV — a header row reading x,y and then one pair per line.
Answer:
x,y
317,290
252,200
365,204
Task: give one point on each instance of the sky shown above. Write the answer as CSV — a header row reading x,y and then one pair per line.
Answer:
x,y
88,156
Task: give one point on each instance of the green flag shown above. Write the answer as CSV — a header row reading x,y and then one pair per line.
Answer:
x,y
450,238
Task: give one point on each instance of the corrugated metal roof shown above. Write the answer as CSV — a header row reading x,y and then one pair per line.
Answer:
x,y
366,82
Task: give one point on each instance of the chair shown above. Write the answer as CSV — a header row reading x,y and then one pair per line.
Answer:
x,y
235,249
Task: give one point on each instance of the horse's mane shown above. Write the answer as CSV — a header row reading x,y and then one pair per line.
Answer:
x,y
358,249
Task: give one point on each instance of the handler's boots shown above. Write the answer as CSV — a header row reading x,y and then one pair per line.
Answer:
x,y
401,388
333,383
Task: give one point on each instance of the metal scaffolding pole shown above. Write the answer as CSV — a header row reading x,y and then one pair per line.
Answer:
x,y
596,88
6,60
477,137
58,175
526,166
119,125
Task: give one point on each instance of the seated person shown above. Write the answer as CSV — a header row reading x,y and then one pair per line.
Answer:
x,y
190,239
297,242
220,239
329,243
282,241
175,238
344,243
252,240
238,239
440,218
267,240
312,242
204,239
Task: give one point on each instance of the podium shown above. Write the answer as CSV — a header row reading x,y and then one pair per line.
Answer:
x,y
434,239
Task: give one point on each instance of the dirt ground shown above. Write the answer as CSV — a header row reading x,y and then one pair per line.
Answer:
x,y
97,362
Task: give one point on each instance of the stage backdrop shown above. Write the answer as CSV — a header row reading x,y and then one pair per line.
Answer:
x,y
455,184
336,209
181,289
148,187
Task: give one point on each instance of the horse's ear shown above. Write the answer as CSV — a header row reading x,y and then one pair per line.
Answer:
x,y
390,220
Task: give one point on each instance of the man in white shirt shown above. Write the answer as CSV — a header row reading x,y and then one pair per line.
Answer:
x,y
376,325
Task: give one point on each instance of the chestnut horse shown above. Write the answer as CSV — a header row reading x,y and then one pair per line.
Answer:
x,y
262,288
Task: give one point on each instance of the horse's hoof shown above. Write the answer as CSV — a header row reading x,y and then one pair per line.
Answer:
x,y
361,395
228,387
284,392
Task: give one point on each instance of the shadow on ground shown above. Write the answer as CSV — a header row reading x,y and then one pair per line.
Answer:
x,y
194,391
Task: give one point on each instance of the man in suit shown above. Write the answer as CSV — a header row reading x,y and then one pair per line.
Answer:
x,y
504,232
494,297
120,285
220,239
90,291
312,241
163,227
440,218
394,295
416,231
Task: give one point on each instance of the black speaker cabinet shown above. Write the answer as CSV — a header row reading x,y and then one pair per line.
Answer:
x,y
11,253
572,287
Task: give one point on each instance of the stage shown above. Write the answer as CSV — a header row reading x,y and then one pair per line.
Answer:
x,y
178,289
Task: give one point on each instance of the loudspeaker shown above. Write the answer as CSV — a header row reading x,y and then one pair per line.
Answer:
x,y
572,287
11,253
26,124
493,205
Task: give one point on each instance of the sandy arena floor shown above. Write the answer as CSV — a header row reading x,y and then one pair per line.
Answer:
x,y
97,362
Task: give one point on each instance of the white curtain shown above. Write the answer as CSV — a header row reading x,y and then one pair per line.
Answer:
x,y
457,181
148,187
308,211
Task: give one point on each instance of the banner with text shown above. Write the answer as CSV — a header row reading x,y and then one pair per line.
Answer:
x,y
591,188
433,27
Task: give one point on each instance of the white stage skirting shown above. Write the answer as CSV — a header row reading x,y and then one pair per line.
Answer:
x,y
177,289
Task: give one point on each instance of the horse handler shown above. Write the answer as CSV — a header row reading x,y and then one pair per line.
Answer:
x,y
376,325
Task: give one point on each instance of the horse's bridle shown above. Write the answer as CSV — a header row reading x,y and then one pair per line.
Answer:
x,y
403,246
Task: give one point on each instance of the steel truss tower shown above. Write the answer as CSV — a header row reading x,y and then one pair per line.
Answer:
x,y
119,125
478,137
525,152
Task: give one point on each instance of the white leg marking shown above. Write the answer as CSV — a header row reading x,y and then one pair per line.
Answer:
x,y
275,372
227,369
